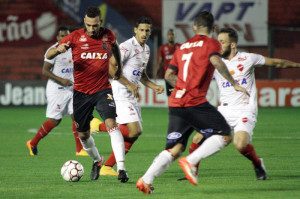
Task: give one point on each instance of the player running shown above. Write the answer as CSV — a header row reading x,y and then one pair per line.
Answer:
x,y
91,49
135,55
240,112
191,71
59,92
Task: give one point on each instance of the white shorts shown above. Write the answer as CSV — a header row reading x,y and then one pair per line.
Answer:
x,y
128,112
239,120
60,104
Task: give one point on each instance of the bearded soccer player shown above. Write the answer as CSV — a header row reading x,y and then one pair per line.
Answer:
x,y
165,55
135,55
59,93
240,112
91,48
190,72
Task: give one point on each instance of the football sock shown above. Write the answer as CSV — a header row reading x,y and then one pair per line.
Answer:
x,y
102,127
123,128
43,131
192,148
111,161
249,153
159,165
117,144
91,149
77,141
209,147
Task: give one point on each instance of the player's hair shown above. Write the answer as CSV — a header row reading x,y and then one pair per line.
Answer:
x,y
143,19
62,28
205,19
93,12
233,36
171,30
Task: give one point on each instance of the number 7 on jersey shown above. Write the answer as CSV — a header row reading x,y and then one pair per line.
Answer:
x,y
187,59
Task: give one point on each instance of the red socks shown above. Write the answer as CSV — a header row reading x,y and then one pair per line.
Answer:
x,y
43,131
249,153
77,141
111,161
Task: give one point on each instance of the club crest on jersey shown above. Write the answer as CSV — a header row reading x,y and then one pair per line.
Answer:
x,y
83,38
240,67
137,51
93,55
104,46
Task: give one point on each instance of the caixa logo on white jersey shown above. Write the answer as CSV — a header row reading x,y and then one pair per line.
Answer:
x,y
93,55
239,81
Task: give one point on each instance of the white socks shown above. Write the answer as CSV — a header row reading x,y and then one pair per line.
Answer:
x,y
209,147
91,149
118,147
159,165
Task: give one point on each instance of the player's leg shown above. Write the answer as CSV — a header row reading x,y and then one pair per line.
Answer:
x,y
55,107
178,134
79,149
105,106
213,126
242,142
130,132
83,110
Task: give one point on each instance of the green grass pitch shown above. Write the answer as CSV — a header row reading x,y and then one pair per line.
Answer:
x,y
224,175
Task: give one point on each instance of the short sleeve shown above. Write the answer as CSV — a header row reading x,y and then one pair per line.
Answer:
x,y
51,61
66,39
125,52
258,60
214,48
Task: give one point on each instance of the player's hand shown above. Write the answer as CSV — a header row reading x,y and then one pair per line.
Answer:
x,y
159,89
63,47
66,82
241,89
134,88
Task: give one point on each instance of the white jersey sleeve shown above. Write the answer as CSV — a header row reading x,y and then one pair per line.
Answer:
x,y
257,60
51,61
125,50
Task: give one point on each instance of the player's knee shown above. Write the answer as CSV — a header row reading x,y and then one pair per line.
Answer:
x,y
239,145
197,138
83,135
55,122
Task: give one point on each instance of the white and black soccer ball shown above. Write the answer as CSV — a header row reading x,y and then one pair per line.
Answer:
x,y
72,171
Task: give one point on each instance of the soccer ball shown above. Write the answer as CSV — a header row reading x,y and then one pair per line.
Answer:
x,y
72,171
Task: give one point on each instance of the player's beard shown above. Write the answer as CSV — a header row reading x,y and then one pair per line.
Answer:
x,y
226,52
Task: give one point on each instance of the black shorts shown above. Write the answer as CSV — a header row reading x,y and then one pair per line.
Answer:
x,y
168,87
203,118
84,104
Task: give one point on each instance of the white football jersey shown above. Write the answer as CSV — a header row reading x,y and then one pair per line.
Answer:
x,y
62,67
134,58
241,67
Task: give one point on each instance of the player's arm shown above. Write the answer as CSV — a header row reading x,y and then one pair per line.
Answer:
x,y
280,63
123,80
222,69
47,72
147,82
171,77
53,52
116,53
159,66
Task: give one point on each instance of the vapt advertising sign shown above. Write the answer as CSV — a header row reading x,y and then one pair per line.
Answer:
x,y
28,29
248,17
